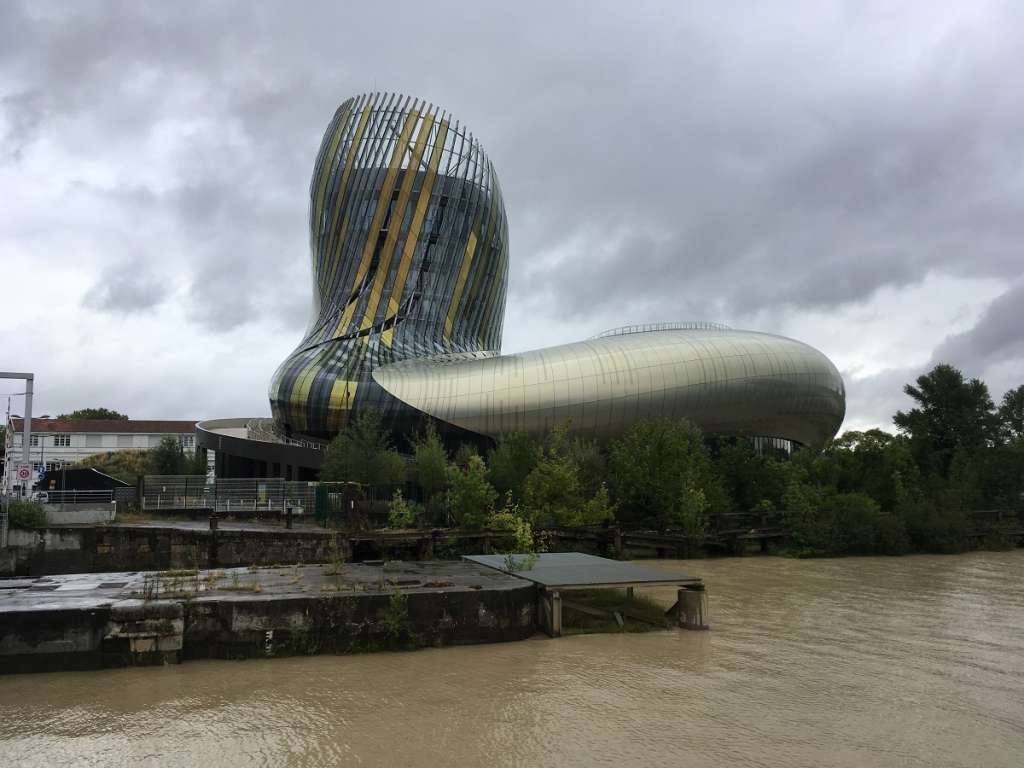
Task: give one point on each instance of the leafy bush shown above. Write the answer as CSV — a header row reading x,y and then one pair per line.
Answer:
x,y
509,518
401,512
471,495
26,514
559,491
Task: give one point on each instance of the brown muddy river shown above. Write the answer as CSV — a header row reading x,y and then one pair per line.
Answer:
x,y
913,661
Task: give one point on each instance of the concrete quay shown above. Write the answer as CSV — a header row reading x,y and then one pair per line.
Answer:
x,y
91,621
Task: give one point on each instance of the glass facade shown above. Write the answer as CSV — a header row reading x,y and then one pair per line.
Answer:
x,y
409,246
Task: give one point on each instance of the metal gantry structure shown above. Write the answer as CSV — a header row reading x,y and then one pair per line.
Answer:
x,y
29,379
26,447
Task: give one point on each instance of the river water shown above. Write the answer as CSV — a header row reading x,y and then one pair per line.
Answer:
x,y
910,661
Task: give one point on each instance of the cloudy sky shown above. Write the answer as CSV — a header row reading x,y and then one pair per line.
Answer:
x,y
847,173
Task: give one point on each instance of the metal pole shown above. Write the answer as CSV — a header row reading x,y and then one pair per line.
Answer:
x,y
27,431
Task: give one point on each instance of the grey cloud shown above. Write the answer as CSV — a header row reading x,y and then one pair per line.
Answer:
x,y
997,336
23,113
661,162
126,289
874,400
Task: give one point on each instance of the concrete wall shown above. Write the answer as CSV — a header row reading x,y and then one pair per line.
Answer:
x,y
122,548
101,549
79,514
137,632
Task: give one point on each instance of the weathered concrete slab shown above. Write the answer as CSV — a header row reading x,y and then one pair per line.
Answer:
x,y
83,621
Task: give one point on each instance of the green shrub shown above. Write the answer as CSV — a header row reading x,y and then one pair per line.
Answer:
x,y
26,514
401,512
472,497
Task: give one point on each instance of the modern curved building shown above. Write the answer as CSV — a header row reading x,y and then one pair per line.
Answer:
x,y
409,246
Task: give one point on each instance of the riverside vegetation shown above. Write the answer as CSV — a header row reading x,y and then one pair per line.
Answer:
x,y
869,492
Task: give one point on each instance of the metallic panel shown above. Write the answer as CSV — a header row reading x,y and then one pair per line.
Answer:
x,y
726,382
400,193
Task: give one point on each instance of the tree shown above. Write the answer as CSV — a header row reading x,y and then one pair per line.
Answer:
x,y
751,480
591,465
463,453
860,527
870,462
657,470
472,497
951,414
553,492
362,453
92,413
1011,415
168,458
511,461
430,463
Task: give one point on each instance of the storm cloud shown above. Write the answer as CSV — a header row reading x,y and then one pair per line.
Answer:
x,y
847,173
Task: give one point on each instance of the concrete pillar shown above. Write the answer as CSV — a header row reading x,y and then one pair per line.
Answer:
x,y
692,607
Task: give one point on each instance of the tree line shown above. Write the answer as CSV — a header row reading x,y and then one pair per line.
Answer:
x,y
870,492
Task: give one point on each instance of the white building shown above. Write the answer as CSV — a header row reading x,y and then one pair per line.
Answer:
x,y
54,443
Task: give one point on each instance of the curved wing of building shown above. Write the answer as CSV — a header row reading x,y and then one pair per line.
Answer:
x,y
726,382
409,247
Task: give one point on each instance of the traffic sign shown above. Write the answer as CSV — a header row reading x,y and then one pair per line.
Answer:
x,y
24,472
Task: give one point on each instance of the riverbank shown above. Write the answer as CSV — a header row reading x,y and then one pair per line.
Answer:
x,y
176,544
88,621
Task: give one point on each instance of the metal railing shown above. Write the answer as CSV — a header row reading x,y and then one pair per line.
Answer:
x,y
227,495
692,325
267,431
75,496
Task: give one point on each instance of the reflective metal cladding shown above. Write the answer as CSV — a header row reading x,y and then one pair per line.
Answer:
x,y
409,245
726,382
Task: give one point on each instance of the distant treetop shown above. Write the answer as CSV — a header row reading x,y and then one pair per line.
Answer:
x,y
92,413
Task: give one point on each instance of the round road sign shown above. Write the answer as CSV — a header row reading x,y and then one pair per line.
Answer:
x,y
24,472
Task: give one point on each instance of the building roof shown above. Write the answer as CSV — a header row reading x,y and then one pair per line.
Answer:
x,y
147,426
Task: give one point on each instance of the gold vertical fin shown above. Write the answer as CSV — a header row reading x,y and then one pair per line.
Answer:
x,y
397,217
353,150
467,260
378,216
422,205
343,395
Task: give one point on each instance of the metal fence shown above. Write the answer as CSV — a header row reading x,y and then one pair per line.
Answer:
x,y
74,496
227,495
